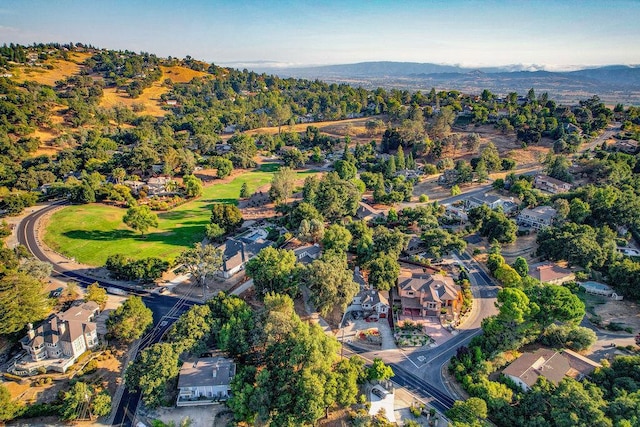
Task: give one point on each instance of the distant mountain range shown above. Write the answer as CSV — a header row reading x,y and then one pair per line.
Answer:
x,y
613,83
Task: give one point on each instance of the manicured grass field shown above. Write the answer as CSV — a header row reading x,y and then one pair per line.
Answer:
x,y
90,233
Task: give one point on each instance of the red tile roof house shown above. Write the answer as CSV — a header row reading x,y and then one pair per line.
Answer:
x,y
549,272
58,342
427,295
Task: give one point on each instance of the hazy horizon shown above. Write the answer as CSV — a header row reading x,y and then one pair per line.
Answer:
x,y
542,34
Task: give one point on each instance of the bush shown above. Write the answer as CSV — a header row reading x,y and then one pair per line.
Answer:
x,y
423,198
416,411
430,169
39,410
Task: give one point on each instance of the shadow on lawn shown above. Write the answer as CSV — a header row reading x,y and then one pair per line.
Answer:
x,y
179,236
268,167
229,201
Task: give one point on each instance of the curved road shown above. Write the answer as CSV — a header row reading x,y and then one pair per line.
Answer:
x,y
166,309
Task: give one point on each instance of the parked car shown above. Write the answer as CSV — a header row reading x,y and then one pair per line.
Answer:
x,y
56,292
378,392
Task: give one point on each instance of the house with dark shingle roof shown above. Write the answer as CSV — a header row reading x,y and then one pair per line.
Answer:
x,y
308,253
367,212
236,252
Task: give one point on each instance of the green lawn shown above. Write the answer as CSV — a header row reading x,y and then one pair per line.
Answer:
x,y
90,233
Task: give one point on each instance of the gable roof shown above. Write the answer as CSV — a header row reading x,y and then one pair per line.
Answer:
x,y
543,362
236,252
307,250
365,211
435,288
550,180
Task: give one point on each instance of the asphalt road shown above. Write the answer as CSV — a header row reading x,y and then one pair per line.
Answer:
x,y
428,363
166,309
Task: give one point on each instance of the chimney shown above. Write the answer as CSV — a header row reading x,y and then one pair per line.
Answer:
x,y
62,327
30,332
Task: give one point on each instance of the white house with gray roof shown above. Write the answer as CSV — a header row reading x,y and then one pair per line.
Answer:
x,y
537,218
308,253
58,342
205,381
492,201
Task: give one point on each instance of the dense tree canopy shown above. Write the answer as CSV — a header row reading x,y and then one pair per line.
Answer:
x,y
330,281
129,321
22,301
273,270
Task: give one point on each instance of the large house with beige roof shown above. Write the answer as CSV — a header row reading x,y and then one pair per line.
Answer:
x,y
552,365
428,294
58,342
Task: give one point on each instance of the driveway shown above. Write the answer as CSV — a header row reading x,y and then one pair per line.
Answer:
x,y
349,332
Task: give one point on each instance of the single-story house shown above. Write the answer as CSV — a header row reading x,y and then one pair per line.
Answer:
x,y
549,272
552,365
307,254
492,201
236,252
205,381
367,212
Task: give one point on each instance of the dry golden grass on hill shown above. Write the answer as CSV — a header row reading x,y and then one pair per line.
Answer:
x,y
337,129
150,97
180,74
61,69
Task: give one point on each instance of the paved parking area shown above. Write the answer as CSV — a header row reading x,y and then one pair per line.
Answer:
x,y
349,332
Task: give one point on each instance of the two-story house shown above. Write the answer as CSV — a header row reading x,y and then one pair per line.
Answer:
x,y
61,339
369,300
551,185
427,295
537,218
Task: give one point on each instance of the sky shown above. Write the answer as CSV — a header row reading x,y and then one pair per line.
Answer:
x,y
549,34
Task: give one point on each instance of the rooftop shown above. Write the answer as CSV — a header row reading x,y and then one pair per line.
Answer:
x,y
542,212
548,271
207,371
